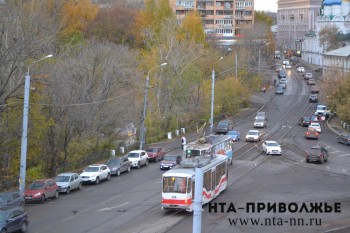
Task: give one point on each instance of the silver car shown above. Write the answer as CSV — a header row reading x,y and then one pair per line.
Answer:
x,y
67,182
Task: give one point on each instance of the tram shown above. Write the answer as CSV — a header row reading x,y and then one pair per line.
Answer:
x,y
213,144
179,183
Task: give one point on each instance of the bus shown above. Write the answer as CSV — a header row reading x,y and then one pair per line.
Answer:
x,y
213,144
179,183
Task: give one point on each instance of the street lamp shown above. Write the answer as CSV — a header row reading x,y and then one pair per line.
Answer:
x,y
142,129
259,56
213,92
23,165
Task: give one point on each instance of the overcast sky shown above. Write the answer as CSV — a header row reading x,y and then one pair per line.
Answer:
x,y
266,5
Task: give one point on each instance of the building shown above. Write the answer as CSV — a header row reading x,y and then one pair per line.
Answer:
x,y
295,18
332,13
221,18
336,62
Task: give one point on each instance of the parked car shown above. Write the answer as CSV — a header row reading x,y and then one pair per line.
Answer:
x,y
95,173
41,190
155,154
118,165
260,123
138,158
67,182
314,118
304,121
253,136
311,133
307,75
224,126
288,66
279,90
11,199
235,135
272,147
315,90
300,69
313,98
344,138
311,81
169,161
316,153
316,126
13,220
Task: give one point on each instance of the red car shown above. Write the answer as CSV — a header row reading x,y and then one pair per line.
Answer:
x,y
155,154
40,190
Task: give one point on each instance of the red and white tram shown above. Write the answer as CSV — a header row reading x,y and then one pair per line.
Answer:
x,y
179,182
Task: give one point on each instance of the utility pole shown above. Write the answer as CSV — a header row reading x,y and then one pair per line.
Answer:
x,y
198,201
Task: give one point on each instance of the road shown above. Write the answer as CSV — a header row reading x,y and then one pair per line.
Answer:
x,y
131,203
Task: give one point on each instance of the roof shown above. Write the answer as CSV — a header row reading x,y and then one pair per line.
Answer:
x,y
341,52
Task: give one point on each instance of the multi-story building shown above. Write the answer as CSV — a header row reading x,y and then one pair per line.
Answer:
x,y
294,19
222,18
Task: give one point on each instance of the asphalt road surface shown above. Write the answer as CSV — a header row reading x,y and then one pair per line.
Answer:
x,y
317,196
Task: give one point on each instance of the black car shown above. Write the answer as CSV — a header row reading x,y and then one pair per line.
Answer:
x,y
224,126
13,220
170,161
304,121
344,138
313,98
119,165
11,199
282,74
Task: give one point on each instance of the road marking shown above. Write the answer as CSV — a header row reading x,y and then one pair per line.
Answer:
x,y
113,207
343,170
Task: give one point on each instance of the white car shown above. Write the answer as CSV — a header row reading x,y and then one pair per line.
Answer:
x,y
66,182
316,126
253,136
272,148
95,173
288,66
300,69
260,123
138,158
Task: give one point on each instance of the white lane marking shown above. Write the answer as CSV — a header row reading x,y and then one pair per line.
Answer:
x,y
113,207
343,155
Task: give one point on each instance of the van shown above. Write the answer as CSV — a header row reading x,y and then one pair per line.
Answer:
x,y
261,115
224,126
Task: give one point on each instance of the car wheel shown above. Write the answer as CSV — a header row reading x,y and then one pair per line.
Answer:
x,y
118,172
79,187
23,227
42,199
307,161
129,169
138,165
97,180
57,194
146,162
68,190
109,176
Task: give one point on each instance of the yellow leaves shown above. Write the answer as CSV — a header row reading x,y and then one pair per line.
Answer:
x,y
191,28
75,16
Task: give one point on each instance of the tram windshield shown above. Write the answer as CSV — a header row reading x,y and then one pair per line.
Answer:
x,y
176,185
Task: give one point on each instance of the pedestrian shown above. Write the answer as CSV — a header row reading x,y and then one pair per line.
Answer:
x,y
183,142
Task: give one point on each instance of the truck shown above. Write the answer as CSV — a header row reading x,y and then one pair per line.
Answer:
x,y
322,110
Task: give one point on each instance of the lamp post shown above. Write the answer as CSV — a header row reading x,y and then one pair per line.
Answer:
x,y
259,56
23,164
213,92
142,129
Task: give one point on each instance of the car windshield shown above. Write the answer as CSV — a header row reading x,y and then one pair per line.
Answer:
x,y
315,124
306,119
113,161
62,178
252,133
223,124
259,120
232,133
321,108
92,169
133,155
170,158
152,150
36,186
3,198
272,144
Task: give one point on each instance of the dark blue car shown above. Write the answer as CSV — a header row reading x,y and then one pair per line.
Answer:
x,y
13,220
234,134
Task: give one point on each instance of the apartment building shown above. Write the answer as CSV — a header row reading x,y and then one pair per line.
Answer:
x,y
295,18
221,18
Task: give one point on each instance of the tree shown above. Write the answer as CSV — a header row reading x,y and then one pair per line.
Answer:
x,y
329,37
191,28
